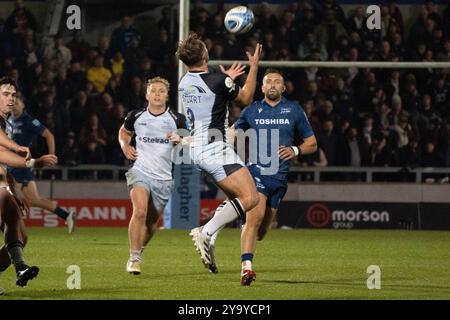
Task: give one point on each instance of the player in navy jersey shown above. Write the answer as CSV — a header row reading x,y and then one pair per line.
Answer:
x,y
25,129
147,138
204,96
272,113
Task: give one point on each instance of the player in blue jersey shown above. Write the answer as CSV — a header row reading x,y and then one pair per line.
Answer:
x,y
272,113
25,129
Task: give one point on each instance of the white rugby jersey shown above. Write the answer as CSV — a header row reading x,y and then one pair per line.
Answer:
x,y
152,145
204,97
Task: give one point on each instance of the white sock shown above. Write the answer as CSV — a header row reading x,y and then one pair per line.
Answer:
x,y
212,241
246,265
227,214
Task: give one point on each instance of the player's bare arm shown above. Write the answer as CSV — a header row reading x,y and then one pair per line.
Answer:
x,y
245,95
125,139
14,160
50,139
9,144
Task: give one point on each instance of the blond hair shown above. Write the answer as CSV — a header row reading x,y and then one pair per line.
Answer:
x,y
160,80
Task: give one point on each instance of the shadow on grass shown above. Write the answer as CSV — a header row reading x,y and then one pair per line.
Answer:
x,y
130,293
358,282
124,293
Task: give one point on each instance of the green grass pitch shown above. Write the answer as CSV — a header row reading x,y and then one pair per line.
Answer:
x,y
290,264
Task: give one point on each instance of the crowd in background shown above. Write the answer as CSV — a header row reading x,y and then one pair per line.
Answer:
x,y
362,117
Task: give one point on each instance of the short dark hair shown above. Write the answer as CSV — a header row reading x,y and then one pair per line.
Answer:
x,y
8,80
273,70
191,50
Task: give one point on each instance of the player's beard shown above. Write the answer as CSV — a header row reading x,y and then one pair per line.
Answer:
x,y
274,96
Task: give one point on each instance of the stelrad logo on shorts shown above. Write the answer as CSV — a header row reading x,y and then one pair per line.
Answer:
x,y
154,140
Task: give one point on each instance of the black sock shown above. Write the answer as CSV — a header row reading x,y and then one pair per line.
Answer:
x,y
15,250
61,213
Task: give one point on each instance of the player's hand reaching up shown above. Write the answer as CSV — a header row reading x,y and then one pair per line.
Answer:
x,y
130,152
234,71
254,59
47,160
286,153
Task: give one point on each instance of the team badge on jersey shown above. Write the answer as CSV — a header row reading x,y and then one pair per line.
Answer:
x,y
229,83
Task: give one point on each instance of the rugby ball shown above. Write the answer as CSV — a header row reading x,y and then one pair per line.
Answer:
x,y
239,20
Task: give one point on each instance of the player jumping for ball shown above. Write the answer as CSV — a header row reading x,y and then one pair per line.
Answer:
x,y
204,96
146,139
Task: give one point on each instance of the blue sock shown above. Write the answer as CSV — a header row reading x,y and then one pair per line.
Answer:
x,y
247,257
61,213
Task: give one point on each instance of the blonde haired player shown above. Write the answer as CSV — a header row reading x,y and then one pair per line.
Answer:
x,y
146,138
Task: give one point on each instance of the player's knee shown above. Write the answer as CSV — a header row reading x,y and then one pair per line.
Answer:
x,y
34,202
32,198
254,199
140,213
248,203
